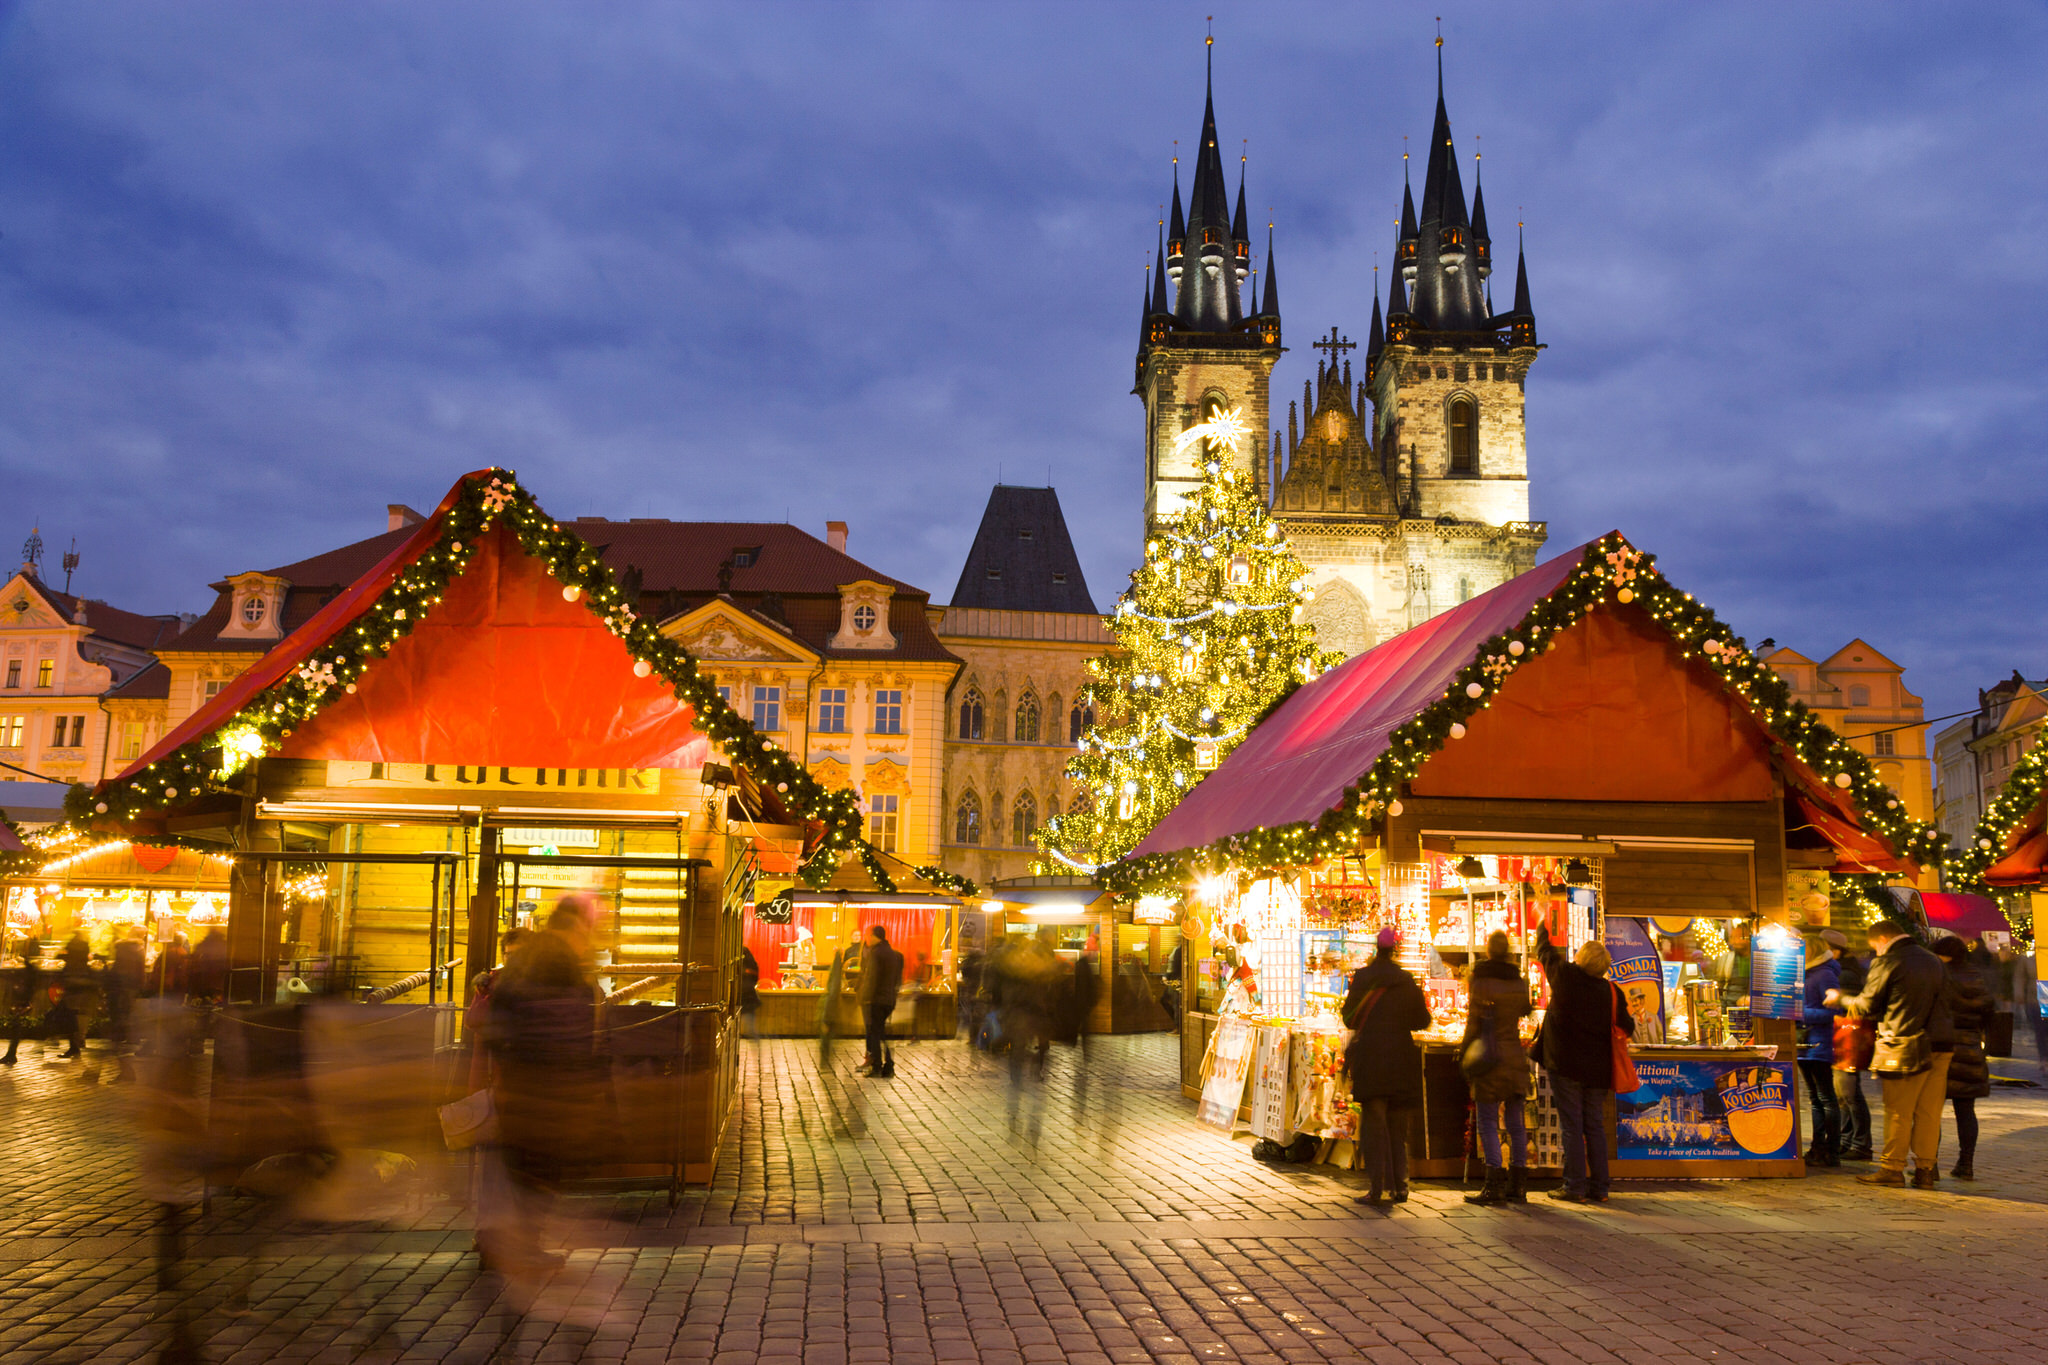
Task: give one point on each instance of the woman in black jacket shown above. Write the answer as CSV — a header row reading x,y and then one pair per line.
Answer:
x,y
1969,1075
1383,1008
1576,1048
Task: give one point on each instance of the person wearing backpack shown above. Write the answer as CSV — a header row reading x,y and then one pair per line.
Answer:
x,y
1577,1049
1497,1071
1383,1008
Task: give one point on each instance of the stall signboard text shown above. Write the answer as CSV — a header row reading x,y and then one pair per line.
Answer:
x,y
1777,974
778,909
1701,1109
1639,972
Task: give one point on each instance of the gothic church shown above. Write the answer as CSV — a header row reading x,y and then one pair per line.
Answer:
x,y
1402,509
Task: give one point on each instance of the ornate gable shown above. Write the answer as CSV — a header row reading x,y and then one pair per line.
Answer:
x,y
719,631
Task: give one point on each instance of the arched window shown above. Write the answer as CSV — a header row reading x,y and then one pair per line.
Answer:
x,y
1026,731
970,714
1023,819
1859,695
1079,721
1463,419
967,820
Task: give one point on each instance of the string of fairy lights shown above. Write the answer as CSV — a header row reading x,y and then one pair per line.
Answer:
x,y
1610,570
2024,791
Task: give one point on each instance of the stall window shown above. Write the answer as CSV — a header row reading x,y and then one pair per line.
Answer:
x,y
1026,731
889,711
882,823
967,820
767,708
832,711
971,714
1023,819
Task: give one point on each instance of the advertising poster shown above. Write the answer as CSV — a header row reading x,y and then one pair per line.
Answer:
x,y
1701,1110
1777,974
1270,1118
1224,1069
1639,971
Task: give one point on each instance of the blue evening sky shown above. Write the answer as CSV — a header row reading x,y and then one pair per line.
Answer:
x,y
265,268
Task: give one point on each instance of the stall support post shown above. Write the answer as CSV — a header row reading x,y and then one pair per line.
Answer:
x,y
252,927
483,910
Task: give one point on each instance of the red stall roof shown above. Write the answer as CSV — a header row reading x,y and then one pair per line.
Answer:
x,y
1963,915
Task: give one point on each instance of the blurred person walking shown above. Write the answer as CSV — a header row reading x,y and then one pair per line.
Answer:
x,y
881,980
1817,1054
1030,973
1383,1007
750,993
124,983
1498,1001
77,983
1577,1050
1969,1073
1904,993
550,1079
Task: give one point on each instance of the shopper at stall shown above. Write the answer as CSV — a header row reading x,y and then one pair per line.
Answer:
x,y
1498,998
1903,992
1576,1048
881,979
1817,1054
1852,1039
750,993
1383,1008
1969,1074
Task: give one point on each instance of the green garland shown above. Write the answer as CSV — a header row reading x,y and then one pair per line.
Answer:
x,y
1611,568
207,764
2016,800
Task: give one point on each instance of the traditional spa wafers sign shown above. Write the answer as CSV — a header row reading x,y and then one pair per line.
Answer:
x,y
1708,1110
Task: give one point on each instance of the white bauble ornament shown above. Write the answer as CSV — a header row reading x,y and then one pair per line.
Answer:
x,y
1515,647
1473,689
641,668
1625,595
1457,730
1393,807
571,593
1843,780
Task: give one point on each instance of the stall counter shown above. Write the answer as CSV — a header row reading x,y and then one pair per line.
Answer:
x,y
794,1014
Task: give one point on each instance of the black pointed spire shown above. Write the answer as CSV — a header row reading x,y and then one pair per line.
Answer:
x,y
1272,305
1478,210
1376,339
1522,320
1238,231
1448,288
1212,256
1159,303
1397,298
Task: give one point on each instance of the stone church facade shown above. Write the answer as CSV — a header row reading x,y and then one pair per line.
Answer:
x,y
1406,491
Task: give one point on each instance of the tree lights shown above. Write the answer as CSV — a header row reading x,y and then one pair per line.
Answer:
x,y
1207,642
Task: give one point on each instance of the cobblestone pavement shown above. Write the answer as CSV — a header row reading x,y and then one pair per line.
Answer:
x,y
943,1217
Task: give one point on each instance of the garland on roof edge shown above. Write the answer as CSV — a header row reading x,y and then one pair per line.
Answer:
x,y
208,763
1988,842
818,870
1610,568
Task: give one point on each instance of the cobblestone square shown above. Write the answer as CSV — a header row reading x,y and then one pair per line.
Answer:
x,y
942,1217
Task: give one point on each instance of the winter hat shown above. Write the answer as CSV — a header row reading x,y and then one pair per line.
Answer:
x,y
1834,938
1388,937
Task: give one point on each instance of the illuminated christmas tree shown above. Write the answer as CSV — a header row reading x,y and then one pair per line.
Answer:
x,y
1208,638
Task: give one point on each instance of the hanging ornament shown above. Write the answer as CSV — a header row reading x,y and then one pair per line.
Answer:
x,y
1515,647
1843,780
641,668
571,593
1457,729
1625,596
1474,690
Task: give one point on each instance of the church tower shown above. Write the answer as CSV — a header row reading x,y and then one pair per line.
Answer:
x,y
1211,347
1410,493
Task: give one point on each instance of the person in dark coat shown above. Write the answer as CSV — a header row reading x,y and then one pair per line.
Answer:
x,y
1383,1008
1969,1074
124,983
881,979
68,1014
1852,1108
207,970
1087,990
1817,1055
1904,993
1576,1049
1497,1001
750,993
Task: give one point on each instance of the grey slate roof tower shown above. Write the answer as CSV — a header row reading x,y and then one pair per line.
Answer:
x,y
1022,558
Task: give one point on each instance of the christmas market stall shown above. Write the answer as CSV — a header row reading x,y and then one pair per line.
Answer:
x,y
479,724
797,934
1129,945
2007,857
1585,748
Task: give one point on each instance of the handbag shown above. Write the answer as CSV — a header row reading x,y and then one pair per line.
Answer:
x,y
470,1120
1855,1040
1481,1056
1625,1079
1901,1056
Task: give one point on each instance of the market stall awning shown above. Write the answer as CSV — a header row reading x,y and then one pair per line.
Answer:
x,y
1963,915
1588,679
2025,861
1297,763
9,843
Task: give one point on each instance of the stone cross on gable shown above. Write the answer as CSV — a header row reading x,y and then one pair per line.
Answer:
x,y
1335,345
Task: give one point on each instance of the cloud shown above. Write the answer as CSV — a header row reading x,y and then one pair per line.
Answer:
x,y
265,269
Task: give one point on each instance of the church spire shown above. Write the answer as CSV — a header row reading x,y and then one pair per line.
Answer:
x,y
1159,303
1449,296
1272,305
1482,244
1522,318
1208,296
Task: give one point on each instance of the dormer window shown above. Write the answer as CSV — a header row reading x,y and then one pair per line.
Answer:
x,y
1023,533
744,559
253,609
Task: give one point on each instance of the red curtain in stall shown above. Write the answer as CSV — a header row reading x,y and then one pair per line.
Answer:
x,y
769,943
909,931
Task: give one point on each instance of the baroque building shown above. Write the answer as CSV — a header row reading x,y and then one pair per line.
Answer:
x,y
1406,491
1861,695
1024,627
1975,755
